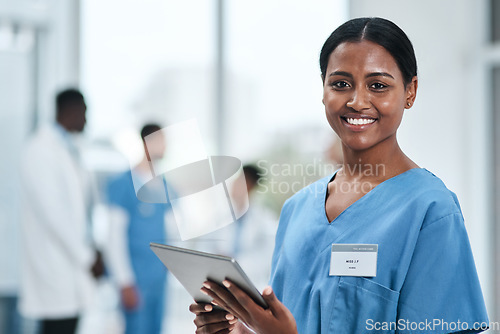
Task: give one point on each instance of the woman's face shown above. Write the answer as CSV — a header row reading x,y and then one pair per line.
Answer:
x,y
364,94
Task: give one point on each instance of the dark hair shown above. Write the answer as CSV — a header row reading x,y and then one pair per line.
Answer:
x,y
380,31
149,129
252,173
67,98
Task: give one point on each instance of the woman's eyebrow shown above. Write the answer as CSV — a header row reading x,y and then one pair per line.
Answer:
x,y
369,75
345,74
377,74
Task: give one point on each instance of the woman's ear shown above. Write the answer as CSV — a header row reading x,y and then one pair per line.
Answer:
x,y
411,92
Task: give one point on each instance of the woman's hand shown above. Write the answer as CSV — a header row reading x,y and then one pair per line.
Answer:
x,y
130,297
211,321
277,319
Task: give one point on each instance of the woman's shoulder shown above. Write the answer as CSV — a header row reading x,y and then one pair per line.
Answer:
x,y
424,189
424,182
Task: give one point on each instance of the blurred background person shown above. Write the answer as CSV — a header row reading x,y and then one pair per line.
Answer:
x,y
252,236
58,260
140,276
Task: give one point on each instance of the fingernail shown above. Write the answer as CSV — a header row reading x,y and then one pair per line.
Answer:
x,y
267,291
214,302
208,307
229,316
226,284
204,292
232,322
206,285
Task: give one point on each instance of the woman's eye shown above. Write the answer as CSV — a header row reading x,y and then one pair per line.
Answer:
x,y
340,84
378,85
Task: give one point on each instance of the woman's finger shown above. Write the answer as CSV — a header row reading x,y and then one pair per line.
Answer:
x,y
216,300
225,299
198,308
274,304
223,327
224,331
214,317
243,298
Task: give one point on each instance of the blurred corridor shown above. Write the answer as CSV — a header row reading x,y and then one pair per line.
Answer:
x,y
248,72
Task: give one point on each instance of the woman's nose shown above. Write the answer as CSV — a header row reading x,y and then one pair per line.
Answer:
x,y
359,100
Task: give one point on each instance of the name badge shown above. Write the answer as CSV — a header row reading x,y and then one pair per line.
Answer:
x,y
354,260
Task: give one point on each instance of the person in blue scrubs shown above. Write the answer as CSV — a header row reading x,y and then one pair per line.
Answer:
x,y
420,276
134,224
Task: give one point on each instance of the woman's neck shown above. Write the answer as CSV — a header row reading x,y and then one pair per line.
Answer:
x,y
377,163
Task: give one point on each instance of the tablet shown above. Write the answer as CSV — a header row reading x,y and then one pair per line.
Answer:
x,y
192,268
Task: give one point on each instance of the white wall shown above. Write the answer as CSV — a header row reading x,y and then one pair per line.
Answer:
x,y
447,131
29,65
59,61
58,45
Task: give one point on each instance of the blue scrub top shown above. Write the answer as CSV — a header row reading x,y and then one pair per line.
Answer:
x,y
426,278
146,224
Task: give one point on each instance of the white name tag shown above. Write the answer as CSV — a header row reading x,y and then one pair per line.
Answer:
x,y
354,260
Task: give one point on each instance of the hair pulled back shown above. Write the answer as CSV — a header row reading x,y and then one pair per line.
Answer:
x,y
377,30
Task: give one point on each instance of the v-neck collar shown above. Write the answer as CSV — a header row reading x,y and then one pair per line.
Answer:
x,y
361,199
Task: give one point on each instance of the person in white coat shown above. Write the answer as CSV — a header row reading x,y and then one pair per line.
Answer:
x,y
58,261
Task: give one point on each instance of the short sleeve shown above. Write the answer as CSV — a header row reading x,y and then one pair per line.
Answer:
x,y
441,292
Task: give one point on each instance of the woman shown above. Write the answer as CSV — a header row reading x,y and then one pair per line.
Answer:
x,y
420,274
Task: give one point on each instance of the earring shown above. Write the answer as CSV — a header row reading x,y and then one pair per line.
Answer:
x,y
408,104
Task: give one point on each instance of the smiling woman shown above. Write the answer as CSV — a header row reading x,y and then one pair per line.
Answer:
x,y
387,248
365,93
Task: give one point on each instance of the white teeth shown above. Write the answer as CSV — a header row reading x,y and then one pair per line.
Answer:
x,y
360,121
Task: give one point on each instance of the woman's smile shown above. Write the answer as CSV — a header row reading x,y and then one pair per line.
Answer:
x,y
358,122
